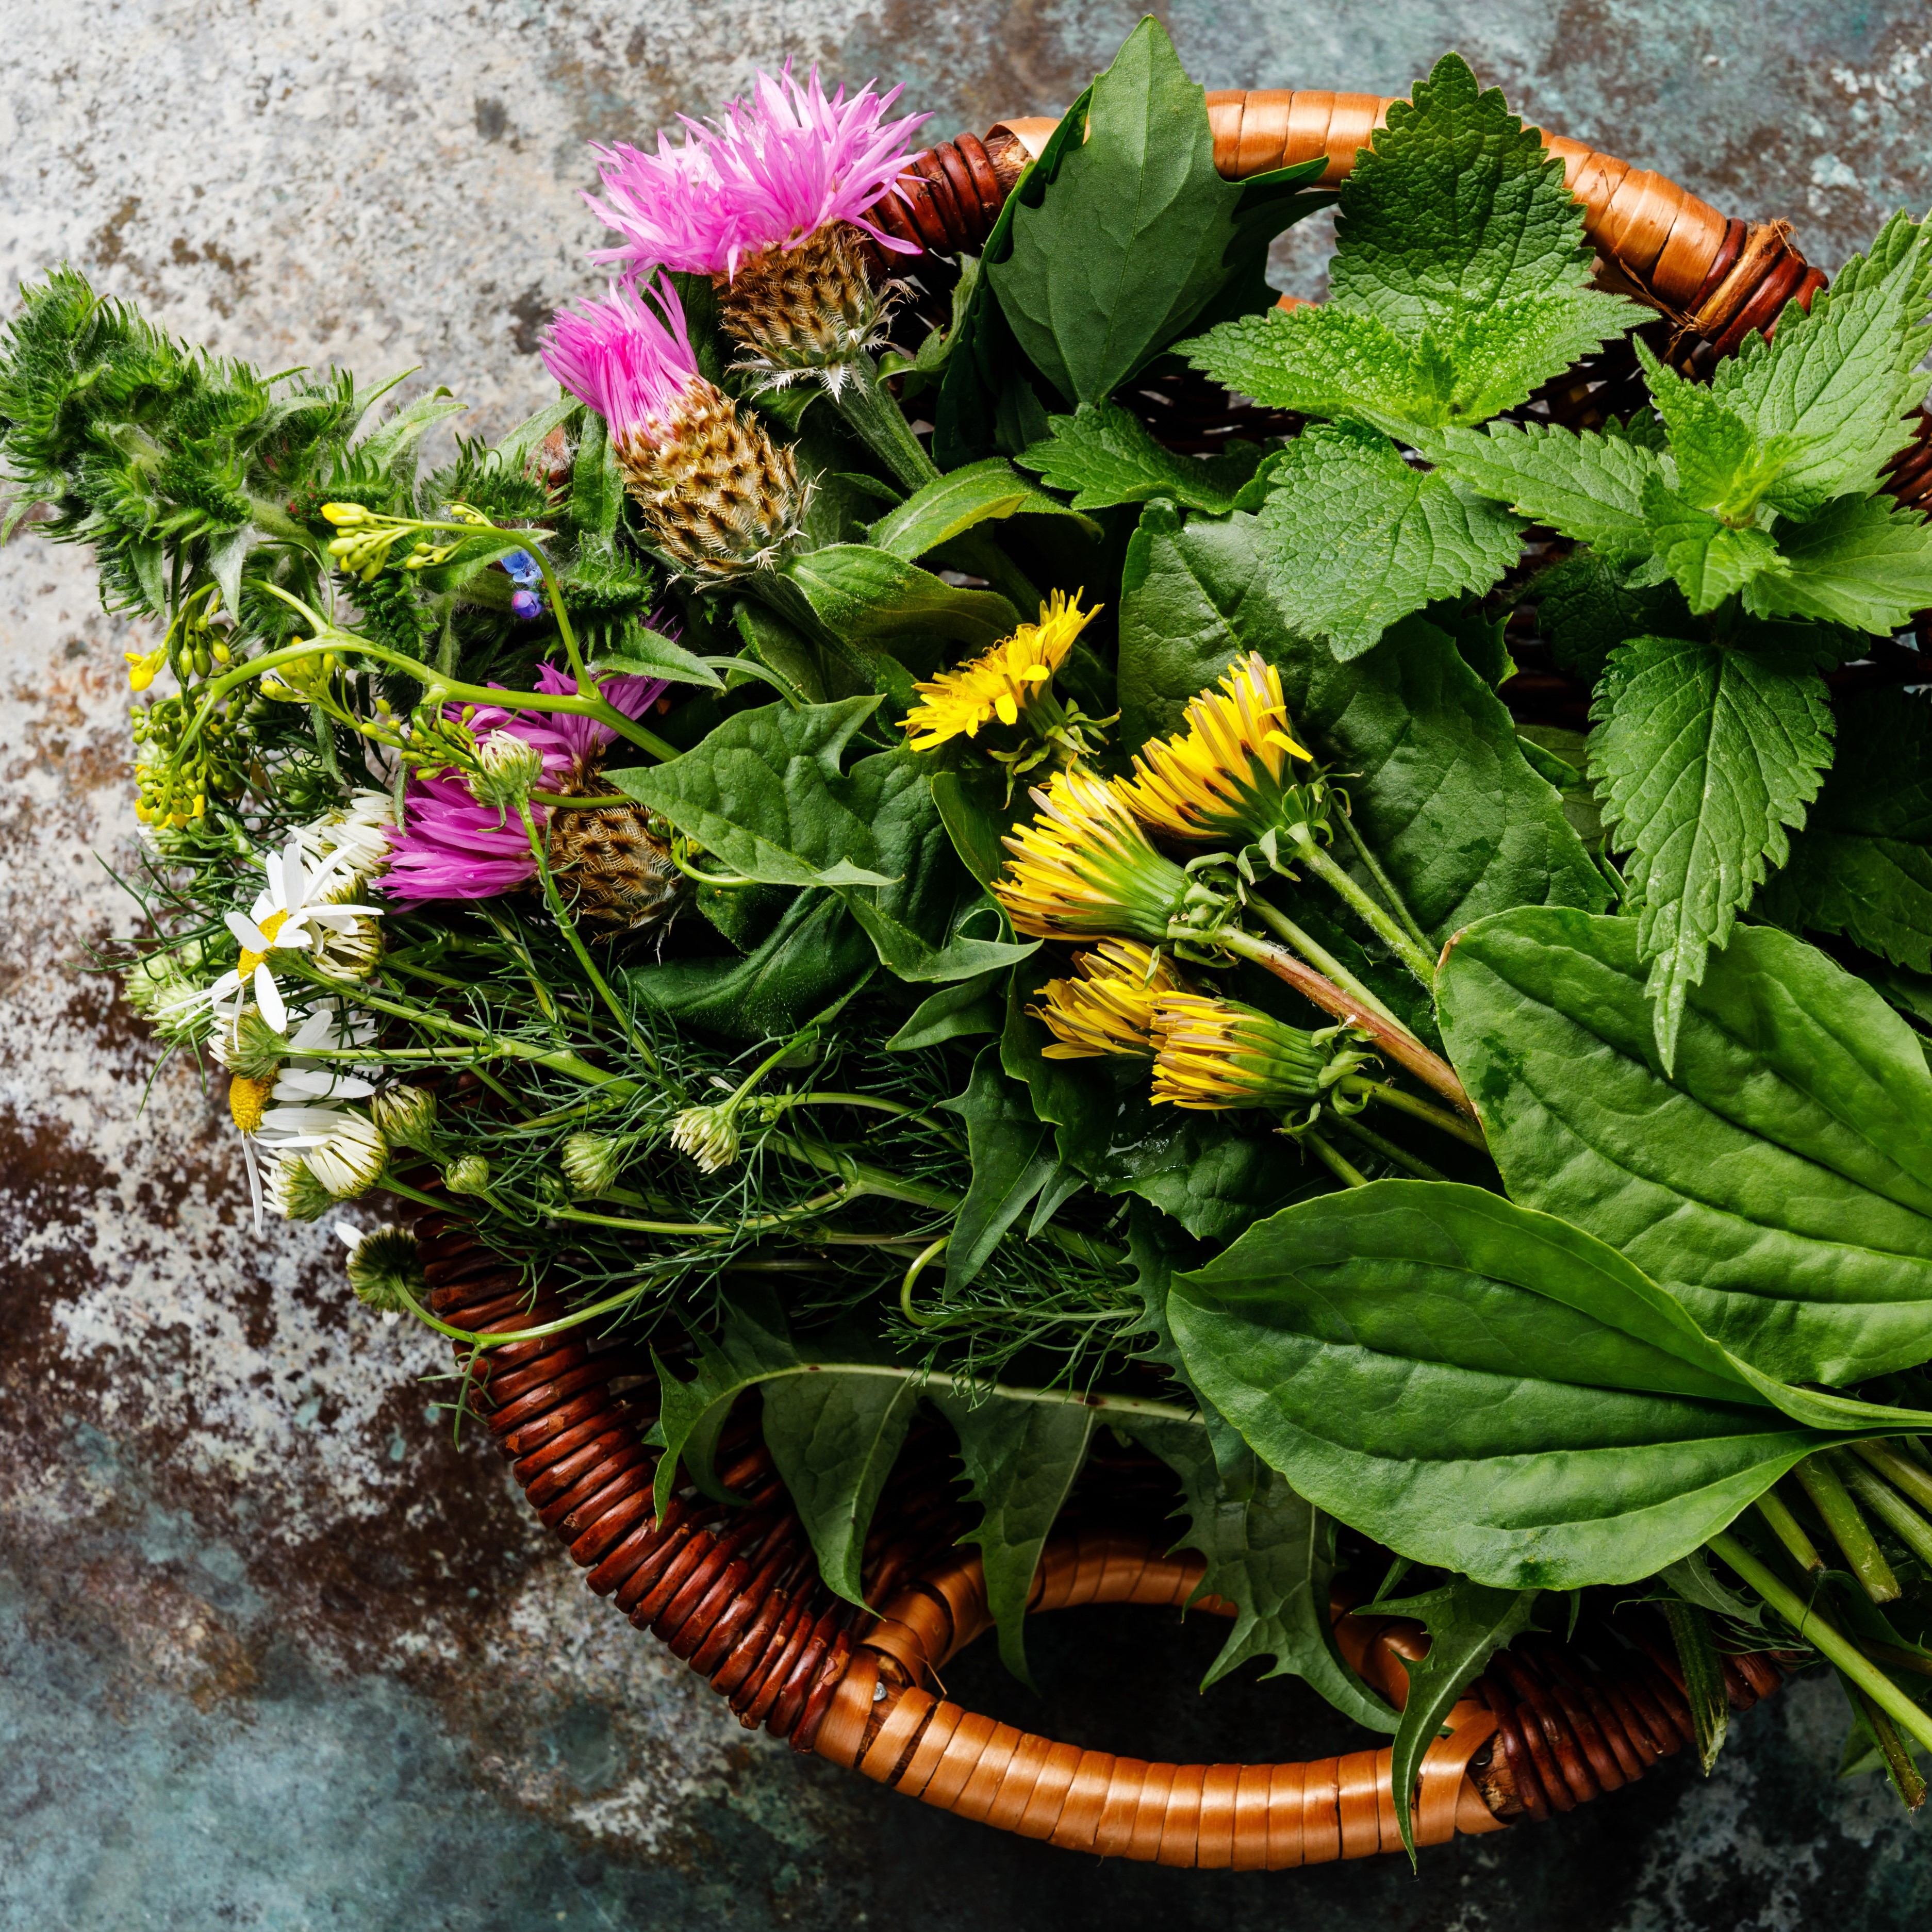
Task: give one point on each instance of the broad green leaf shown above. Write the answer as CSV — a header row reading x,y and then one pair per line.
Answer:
x,y
1863,561
1587,485
815,673
1438,784
1709,559
957,502
815,953
1585,609
1356,538
1271,1555
1124,232
649,653
1862,865
764,792
1467,1623
1213,1174
1459,283
753,1346
834,1438
1105,455
1020,1460
1013,1156
971,802
860,592
1703,757
1442,1369
1843,376
957,1012
1779,1185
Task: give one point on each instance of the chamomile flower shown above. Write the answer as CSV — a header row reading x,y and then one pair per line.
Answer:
x,y
289,917
1108,1008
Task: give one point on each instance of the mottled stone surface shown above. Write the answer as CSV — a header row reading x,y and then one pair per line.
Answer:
x,y
273,1652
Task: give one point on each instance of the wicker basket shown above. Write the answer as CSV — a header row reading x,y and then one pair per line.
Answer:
x,y
733,1590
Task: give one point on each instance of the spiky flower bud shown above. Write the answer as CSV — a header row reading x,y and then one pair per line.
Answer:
x,y
810,308
384,1266
351,1160
718,496
247,1045
619,868
592,1163
407,1116
468,1174
295,1193
708,1135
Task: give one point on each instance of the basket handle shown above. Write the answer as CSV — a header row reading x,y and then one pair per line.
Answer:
x,y
1246,1817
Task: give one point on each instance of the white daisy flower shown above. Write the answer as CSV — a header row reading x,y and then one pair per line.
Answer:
x,y
354,837
288,917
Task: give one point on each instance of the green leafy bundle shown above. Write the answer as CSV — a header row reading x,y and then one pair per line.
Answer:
x,y
1097,955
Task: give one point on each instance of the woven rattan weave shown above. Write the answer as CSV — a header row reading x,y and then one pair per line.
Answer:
x,y
733,1589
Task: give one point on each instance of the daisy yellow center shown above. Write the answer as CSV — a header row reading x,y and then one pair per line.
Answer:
x,y
270,926
248,1101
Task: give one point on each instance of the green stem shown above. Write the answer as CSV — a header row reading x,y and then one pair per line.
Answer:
x,y
1885,1503
1789,1532
930,1252
1821,1482
1312,949
1392,1038
1898,1469
1350,1176
1388,1150
1384,1095
1420,963
505,930
1829,1642
1373,867
880,423
877,1105
567,926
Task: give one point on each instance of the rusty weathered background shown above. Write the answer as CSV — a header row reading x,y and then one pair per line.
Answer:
x,y
273,1652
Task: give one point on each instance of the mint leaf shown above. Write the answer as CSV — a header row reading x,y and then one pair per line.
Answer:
x,y
1703,757
1862,866
1710,559
1459,283
1586,485
1105,455
1864,562
1355,538
1843,376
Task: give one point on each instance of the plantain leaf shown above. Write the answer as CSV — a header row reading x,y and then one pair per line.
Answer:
x,y
978,492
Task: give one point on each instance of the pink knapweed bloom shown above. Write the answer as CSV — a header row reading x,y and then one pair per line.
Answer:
x,y
773,171
628,359
451,847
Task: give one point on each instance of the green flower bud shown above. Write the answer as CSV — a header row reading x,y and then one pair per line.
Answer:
x,y
469,1175
351,1161
709,1136
250,1046
507,767
384,1265
591,1162
160,988
406,1116
296,1193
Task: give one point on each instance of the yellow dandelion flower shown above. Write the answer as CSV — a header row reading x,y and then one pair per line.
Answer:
x,y
1210,1053
1228,775
1108,1009
1010,680
1083,868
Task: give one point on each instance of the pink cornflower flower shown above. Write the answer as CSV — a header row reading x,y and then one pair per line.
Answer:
x,y
769,175
718,496
452,847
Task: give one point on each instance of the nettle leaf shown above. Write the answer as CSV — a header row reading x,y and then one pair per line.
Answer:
x,y
1779,1184
1467,1623
1863,561
1585,484
1722,465
1842,377
1478,1386
1105,455
1709,559
1013,1156
1862,865
1356,539
1438,784
1703,759
1586,608
1459,283
1126,230
1020,1459
958,501
1271,1555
